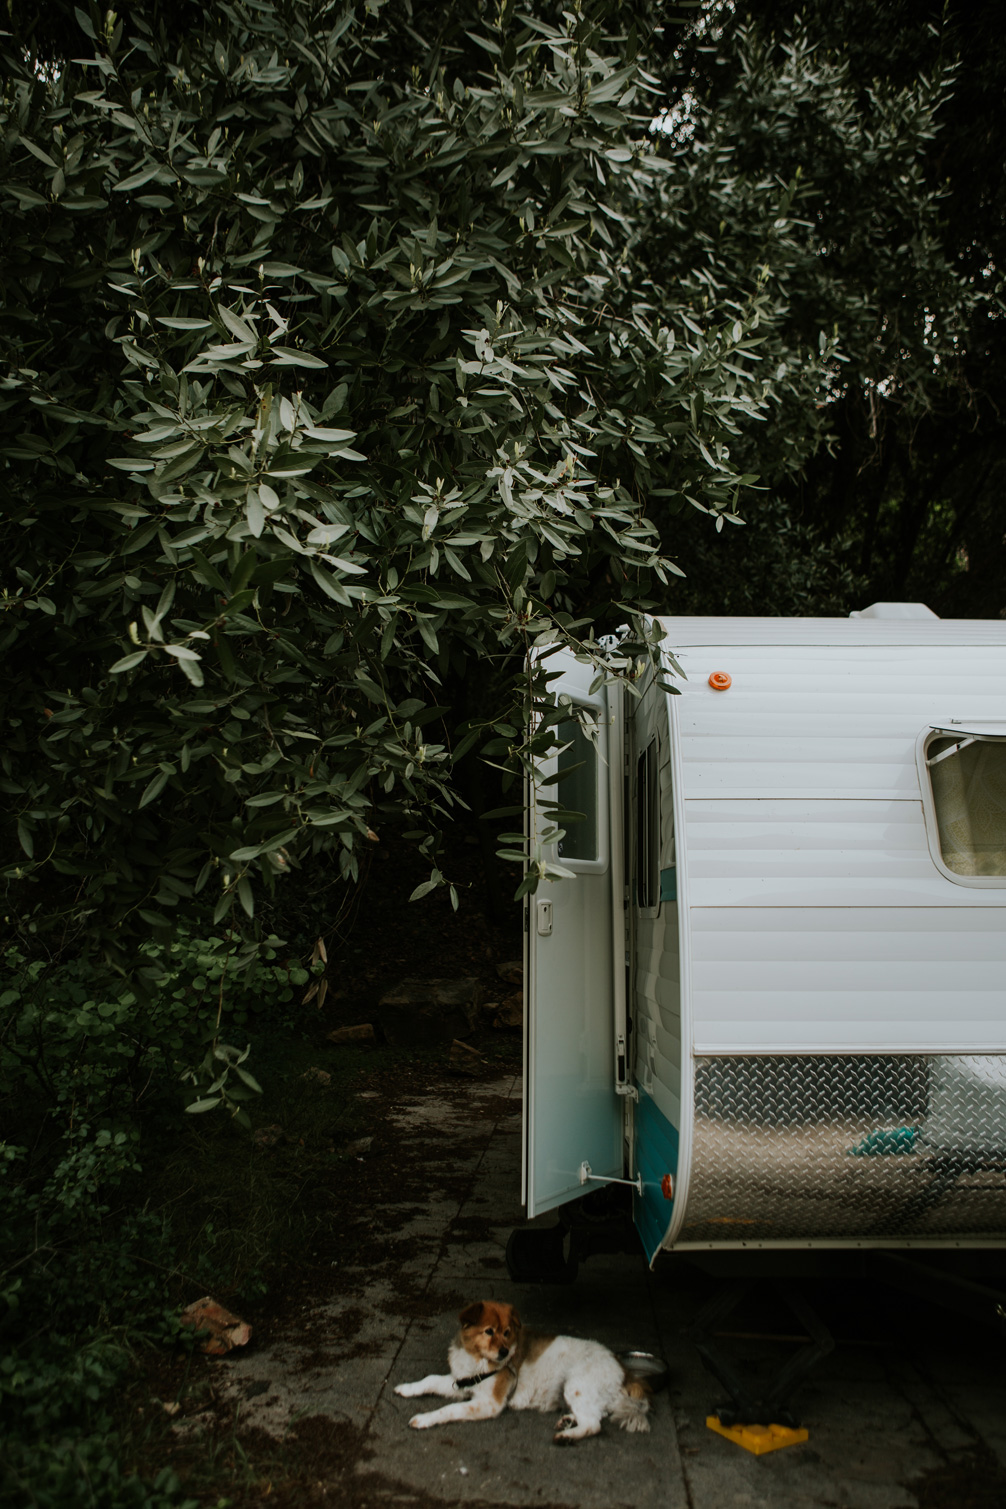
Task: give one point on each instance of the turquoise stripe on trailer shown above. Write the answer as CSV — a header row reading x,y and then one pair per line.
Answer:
x,y
656,1155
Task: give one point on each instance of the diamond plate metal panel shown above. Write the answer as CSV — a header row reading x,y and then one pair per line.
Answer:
x,y
877,1146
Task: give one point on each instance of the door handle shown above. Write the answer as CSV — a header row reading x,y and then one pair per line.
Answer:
x,y
543,912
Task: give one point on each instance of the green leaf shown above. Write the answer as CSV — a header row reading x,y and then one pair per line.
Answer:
x,y
329,584
242,573
317,432
144,175
237,326
285,356
239,855
193,671
127,662
222,907
256,514
37,151
207,572
239,602
141,537
153,788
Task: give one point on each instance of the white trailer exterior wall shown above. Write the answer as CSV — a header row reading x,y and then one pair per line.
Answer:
x,y
814,921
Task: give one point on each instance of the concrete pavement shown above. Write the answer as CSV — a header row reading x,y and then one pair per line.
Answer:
x,y
879,1420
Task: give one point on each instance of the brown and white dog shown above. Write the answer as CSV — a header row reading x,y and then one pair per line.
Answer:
x,y
497,1363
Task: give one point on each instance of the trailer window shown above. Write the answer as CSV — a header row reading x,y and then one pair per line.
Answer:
x,y
967,775
647,829
577,793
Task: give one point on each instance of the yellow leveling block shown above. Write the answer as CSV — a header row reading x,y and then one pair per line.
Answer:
x,y
758,1438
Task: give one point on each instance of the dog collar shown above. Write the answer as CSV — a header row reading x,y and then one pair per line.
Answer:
x,y
481,1377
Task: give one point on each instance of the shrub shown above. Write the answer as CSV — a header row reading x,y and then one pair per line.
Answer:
x,y
93,1068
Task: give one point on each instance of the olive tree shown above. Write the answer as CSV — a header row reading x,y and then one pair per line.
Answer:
x,y
334,374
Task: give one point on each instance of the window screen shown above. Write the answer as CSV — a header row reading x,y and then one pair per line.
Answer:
x,y
647,829
968,779
577,792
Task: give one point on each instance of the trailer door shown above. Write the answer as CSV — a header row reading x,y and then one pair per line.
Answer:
x,y
572,1114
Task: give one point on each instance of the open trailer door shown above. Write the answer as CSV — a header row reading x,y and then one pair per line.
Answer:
x,y
572,1115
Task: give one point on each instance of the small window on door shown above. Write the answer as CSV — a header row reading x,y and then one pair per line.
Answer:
x,y
576,792
967,778
647,829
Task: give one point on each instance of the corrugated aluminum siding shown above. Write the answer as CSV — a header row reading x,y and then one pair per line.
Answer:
x,y
819,921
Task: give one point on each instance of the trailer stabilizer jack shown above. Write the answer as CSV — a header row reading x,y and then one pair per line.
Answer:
x,y
768,1407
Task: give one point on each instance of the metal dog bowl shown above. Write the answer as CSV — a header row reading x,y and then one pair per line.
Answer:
x,y
647,1367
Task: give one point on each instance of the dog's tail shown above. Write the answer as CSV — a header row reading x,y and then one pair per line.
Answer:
x,y
633,1404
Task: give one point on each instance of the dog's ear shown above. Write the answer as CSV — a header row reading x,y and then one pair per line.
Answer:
x,y
515,1320
472,1314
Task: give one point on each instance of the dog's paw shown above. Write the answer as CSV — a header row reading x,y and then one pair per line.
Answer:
x,y
570,1430
420,1422
636,1422
406,1390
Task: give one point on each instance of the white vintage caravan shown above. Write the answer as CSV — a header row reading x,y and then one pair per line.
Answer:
x,y
772,995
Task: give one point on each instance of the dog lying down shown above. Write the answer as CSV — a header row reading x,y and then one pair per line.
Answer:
x,y
496,1362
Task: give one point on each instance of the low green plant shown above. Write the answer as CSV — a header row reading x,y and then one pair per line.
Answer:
x,y
95,1071
95,1048
82,1290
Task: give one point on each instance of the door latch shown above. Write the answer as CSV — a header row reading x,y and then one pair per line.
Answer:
x,y
622,1085
543,912
586,1177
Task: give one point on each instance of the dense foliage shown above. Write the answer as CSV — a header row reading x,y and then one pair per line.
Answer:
x,y
330,381
908,493
347,363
